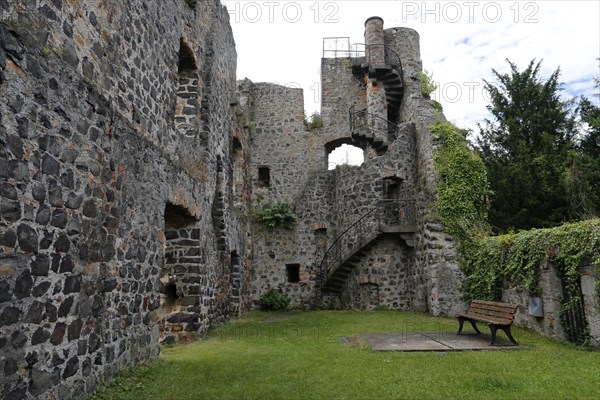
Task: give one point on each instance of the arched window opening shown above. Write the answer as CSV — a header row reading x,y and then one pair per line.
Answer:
x,y
186,110
345,154
182,247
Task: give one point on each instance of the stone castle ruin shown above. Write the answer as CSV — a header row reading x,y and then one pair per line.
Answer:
x,y
132,164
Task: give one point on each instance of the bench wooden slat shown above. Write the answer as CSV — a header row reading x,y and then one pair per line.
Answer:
x,y
489,307
509,309
486,318
492,313
493,303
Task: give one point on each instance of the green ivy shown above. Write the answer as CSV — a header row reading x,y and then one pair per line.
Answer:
x,y
513,259
437,106
279,214
462,189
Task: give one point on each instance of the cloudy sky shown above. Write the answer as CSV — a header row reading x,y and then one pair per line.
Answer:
x,y
461,41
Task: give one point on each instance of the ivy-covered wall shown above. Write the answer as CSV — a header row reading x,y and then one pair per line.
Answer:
x,y
559,265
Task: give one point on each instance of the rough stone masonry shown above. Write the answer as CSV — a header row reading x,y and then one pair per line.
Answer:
x,y
131,165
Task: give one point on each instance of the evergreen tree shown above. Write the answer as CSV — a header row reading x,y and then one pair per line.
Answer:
x,y
582,176
525,148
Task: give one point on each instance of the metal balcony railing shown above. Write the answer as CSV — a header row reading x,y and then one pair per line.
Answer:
x,y
340,47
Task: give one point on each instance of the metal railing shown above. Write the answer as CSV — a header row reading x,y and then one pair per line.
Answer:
x,y
340,47
363,118
363,230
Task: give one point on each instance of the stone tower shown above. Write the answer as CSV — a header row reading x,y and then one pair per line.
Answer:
x,y
366,236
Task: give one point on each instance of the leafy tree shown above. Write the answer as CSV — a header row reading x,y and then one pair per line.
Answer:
x,y
525,148
582,176
590,115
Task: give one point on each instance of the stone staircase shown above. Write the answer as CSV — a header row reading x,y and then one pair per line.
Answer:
x,y
391,80
371,129
347,251
335,283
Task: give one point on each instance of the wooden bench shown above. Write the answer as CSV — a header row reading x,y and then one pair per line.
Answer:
x,y
495,315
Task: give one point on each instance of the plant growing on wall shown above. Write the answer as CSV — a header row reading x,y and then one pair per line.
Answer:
x,y
428,86
279,214
514,258
491,263
463,187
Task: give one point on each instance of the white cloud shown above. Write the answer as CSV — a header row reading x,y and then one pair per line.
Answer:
x,y
284,45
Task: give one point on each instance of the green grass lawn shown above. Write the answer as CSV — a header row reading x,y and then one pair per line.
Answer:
x,y
301,357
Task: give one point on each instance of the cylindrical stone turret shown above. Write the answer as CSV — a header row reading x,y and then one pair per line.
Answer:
x,y
374,41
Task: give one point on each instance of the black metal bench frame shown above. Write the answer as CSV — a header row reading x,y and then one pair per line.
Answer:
x,y
495,315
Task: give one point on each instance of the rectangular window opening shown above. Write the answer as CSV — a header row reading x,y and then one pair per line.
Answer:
x,y
293,273
264,177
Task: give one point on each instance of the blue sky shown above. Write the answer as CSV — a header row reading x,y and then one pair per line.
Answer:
x,y
461,41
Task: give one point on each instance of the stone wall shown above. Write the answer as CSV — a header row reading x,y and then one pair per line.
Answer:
x,y
90,158
386,278
289,154
342,89
550,323
280,142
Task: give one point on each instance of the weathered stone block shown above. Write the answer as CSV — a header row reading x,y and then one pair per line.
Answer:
x,y
18,339
8,238
65,307
58,333
71,368
40,336
28,239
62,243
74,331
35,313
23,285
41,289
10,210
59,218
43,215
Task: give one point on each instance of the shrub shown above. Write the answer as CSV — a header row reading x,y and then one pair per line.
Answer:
x,y
316,121
273,301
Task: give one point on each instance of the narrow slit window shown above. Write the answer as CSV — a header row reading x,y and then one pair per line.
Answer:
x,y
186,109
